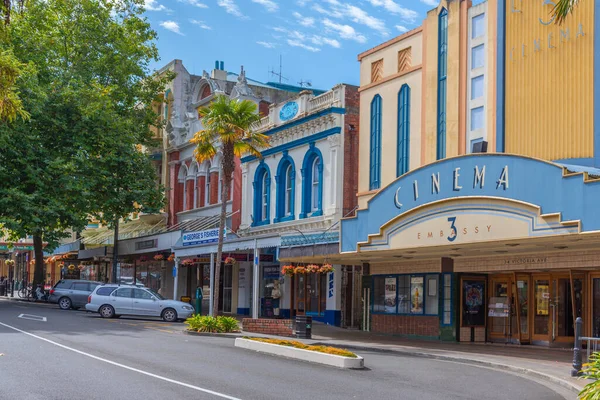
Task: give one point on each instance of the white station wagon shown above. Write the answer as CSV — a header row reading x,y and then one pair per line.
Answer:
x,y
115,300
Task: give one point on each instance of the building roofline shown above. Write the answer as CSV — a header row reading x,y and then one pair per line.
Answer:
x,y
390,42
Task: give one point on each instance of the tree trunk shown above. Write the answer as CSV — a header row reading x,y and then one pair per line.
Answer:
x,y
115,252
228,165
38,253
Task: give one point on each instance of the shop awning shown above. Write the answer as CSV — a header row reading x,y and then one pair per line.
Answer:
x,y
230,246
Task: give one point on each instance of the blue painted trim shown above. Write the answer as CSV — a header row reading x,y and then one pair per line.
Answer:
x,y
243,311
375,144
442,89
281,180
299,121
331,317
258,218
501,75
403,135
295,143
285,313
309,158
584,162
596,85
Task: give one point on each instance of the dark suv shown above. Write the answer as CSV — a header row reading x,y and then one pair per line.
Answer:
x,y
71,293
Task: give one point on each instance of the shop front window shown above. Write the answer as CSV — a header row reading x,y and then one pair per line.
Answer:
x,y
542,304
406,294
596,307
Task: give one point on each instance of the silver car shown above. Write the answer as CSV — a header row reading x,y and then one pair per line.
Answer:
x,y
115,300
71,293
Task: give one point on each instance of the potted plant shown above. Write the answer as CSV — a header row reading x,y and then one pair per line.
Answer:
x,y
326,268
159,257
300,270
287,270
10,263
312,269
171,257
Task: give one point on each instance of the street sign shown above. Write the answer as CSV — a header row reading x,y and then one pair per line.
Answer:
x,y
201,237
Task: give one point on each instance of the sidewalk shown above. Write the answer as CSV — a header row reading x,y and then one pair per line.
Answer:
x,y
552,365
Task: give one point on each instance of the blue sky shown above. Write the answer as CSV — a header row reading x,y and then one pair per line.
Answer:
x,y
317,39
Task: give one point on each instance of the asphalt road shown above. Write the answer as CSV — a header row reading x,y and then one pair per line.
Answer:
x,y
77,355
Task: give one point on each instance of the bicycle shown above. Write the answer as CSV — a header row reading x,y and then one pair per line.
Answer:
x,y
24,291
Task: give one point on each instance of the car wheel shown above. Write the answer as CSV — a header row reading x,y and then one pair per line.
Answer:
x,y
169,315
65,303
107,311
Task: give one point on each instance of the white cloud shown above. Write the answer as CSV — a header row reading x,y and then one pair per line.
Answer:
x,y
329,13
297,43
194,3
201,24
401,28
152,5
279,29
319,41
231,8
360,16
304,21
270,5
268,45
395,8
432,3
302,3
344,31
171,26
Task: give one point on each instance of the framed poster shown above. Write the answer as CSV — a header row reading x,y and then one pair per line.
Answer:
x,y
416,294
473,302
390,295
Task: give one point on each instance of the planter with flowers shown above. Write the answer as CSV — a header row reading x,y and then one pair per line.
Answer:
x,y
300,270
10,263
312,269
230,261
287,270
171,257
188,262
326,268
159,257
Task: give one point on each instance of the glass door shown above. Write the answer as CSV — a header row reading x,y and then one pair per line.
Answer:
x,y
568,305
226,288
300,294
499,323
522,309
596,306
541,309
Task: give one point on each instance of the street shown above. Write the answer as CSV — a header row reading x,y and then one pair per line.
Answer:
x,y
76,355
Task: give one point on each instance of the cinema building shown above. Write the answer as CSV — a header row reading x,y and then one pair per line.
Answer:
x,y
479,176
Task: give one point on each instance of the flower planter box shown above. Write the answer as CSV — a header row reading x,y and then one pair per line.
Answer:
x,y
301,354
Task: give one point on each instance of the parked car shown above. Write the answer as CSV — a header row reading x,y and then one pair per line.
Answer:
x,y
71,293
113,300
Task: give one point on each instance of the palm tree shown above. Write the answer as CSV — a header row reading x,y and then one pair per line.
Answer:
x,y
562,9
227,125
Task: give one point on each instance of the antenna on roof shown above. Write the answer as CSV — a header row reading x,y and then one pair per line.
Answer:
x,y
279,74
304,83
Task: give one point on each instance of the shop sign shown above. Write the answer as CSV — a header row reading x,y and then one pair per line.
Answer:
x,y
16,246
331,282
271,272
242,278
146,244
201,237
526,260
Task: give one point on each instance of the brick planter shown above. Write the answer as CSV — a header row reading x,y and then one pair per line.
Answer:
x,y
279,327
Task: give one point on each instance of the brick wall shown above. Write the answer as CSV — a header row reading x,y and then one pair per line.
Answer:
x,y
279,327
201,191
190,194
214,188
351,130
465,334
406,325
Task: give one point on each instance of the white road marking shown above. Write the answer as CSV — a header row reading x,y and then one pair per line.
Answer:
x,y
33,317
199,389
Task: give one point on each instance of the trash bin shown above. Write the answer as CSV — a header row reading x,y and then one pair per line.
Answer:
x,y
3,288
303,327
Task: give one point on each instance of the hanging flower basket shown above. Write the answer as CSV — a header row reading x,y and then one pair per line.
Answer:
x,y
325,269
230,261
171,257
159,257
287,270
10,263
188,262
81,267
300,270
312,269
71,267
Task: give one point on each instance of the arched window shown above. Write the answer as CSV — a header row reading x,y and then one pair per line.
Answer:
x,y
442,84
262,195
403,150
375,144
312,183
181,188
286,182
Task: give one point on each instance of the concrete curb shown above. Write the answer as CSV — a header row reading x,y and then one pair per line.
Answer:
x,y
490,364
301,354
210,334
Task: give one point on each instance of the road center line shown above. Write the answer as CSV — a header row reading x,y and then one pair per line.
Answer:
x,y
197,388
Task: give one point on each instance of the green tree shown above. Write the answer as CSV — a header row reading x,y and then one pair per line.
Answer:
x,y
227,125
562,9
90,90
